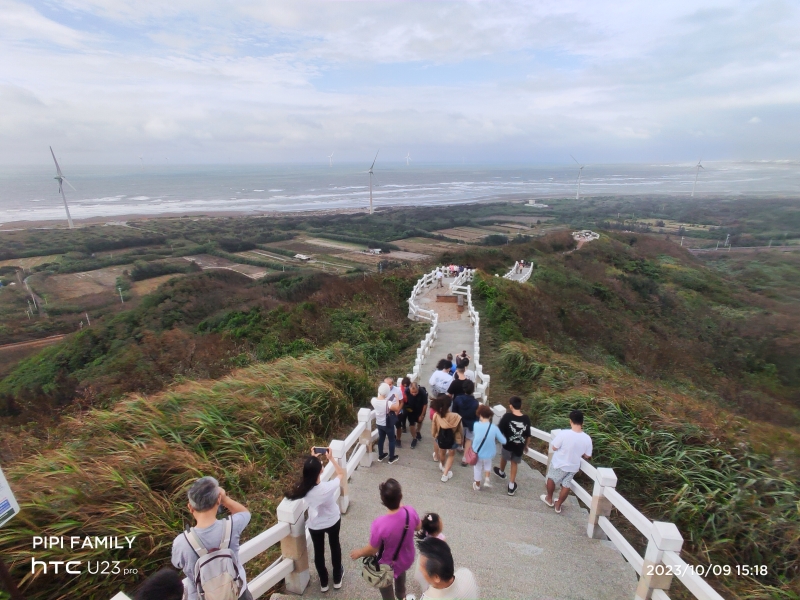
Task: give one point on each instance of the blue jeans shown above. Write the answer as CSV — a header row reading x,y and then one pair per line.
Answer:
x,y
383,433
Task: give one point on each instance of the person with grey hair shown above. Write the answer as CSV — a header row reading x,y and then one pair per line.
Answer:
x,y
205,498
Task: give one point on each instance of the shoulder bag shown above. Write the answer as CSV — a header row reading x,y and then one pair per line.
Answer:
x,y
471,456
376,574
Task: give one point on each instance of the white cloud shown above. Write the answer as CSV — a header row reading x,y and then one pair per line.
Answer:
x,y
754,121
278,80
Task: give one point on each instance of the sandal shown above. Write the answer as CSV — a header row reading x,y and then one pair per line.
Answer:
x,y
544,499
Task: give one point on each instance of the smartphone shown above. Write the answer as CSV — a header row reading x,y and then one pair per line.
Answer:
x,y
322,451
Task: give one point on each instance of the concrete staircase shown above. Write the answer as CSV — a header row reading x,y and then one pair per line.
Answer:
x,y
517,547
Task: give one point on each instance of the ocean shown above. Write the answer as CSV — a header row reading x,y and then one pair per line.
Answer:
x,y
31,193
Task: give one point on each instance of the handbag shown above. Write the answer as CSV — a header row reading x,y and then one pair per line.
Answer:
x,y
470,455
379,575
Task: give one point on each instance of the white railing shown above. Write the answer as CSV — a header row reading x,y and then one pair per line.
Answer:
x,y
415,312
524,274
457,287
661,560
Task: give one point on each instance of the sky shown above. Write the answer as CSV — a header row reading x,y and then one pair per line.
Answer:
x,y
457,81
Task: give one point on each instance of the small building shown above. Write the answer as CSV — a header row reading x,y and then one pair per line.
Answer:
x,y
302,257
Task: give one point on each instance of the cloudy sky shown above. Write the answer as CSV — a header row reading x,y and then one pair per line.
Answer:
x,y
190,81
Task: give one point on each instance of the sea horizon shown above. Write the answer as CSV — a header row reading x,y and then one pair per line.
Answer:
x,y
29,193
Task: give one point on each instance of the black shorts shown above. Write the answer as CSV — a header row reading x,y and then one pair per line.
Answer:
x,y
413,416
402,418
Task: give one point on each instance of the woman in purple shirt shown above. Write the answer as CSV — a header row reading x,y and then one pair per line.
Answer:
x,y
388,531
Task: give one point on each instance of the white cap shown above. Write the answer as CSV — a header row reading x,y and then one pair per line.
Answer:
x,y
384,389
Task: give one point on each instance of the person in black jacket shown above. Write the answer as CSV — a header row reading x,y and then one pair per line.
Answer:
x,y
416,405
465,405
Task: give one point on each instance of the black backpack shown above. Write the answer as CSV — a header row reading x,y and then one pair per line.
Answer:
x,y
446,438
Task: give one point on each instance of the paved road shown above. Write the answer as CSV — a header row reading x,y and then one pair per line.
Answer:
x,y
516,546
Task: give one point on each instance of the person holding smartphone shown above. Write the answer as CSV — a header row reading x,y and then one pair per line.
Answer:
x,y
324,516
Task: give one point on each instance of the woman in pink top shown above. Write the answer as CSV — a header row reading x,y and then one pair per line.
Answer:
x,y
394,533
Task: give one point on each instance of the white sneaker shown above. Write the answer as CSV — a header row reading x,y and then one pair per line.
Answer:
x,y
435,458
476,486
411,597
487,483
445,478
441,467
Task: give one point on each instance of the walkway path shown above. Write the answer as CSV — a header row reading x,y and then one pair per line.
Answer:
x,y
516,546
523,275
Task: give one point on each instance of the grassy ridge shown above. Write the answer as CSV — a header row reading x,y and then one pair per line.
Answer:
x,y
125,471
677,459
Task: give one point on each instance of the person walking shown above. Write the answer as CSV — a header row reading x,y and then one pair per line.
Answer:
x,y
459,377
517,429
569,447
448,432
404,383
324,516
211,536
392,535
485,434
432,526
439,277
416,405
438,569
385,418
396,395
465,405
441,378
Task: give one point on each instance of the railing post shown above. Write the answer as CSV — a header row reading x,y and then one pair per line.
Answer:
x,y
294,545
601,506
499,411
365,416
340,454
664,537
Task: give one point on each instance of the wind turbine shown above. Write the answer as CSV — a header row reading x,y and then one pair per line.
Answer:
x,y
408,158
330,159
370,182
580,174
697,173
61,179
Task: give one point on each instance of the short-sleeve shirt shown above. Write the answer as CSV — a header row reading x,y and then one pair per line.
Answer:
x,y
388,530
570,447
381,408
395,395
439,382
323,511
517,430
464,587
184,556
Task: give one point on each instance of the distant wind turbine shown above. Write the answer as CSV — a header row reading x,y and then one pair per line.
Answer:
x,y
370,181
580,174
61,179
330,159
697,172
408,158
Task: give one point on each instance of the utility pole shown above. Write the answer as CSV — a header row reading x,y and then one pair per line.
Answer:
x,y
30,308
681,241
88,322
121,299
717,248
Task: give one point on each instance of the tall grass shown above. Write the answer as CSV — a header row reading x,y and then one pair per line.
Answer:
x,y
732,505
125,471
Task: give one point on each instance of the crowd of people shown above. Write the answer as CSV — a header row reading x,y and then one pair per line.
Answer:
x,y
208,552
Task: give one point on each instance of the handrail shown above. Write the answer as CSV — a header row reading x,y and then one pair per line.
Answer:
x,y
664,539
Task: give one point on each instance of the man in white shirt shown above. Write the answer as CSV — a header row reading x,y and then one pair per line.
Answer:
x,y
569,447
436,565
439,276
